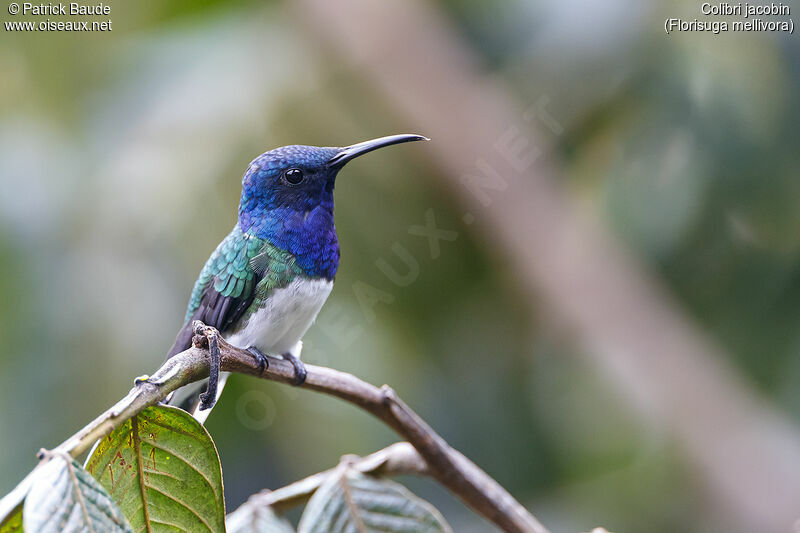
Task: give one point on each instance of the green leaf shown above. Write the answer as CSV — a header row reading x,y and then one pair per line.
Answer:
x,y
65,498
351,502
12,523
163,470
252,517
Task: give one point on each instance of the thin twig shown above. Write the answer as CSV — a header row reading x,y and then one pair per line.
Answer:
x,y
399,459
448,466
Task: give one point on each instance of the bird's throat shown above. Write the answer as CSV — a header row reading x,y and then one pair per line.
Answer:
x,y
309,235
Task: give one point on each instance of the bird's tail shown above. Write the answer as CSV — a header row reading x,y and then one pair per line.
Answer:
x,y
188,397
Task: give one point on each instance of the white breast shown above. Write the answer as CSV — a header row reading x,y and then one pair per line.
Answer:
x,y
286,316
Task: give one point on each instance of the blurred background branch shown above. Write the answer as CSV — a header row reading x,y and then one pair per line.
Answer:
x,y
488,148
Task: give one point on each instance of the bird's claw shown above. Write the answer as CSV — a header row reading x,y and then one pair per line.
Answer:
x,y
300,372
261,359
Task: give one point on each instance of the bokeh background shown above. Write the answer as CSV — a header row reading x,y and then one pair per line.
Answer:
x,y
638,370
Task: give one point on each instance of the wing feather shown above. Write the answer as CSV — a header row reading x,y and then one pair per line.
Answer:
x,y
240,274
219,297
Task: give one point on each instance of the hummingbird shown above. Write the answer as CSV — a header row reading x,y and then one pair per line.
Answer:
x,y
265,283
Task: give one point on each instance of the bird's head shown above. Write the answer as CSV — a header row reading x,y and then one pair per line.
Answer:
x,y
299,179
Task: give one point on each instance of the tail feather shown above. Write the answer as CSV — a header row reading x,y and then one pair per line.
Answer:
x,y
183,341
188,397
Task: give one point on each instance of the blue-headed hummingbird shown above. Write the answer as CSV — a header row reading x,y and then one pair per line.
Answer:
x,y
267,280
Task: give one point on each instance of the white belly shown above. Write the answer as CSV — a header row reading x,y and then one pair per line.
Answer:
x,y
287,314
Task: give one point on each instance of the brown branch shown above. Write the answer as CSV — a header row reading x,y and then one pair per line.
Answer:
x,y
448,466
445,464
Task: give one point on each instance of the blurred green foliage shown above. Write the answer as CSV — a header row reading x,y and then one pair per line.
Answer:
x,y
120,162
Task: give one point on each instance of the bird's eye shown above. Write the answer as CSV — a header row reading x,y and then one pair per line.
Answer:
x,y
293,176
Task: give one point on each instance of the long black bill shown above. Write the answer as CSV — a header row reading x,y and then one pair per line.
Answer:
x,y
351,152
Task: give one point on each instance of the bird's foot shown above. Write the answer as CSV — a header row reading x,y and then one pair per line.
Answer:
x,y
299,369
261,359
209,397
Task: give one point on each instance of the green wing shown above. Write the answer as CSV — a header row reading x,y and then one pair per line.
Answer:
x,y
235,280
227,275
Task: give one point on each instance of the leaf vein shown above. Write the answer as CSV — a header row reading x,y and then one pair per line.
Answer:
x,y
177,456
184,504
137,444
78,494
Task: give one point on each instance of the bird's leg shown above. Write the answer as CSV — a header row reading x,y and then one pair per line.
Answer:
x,y
209,397
299,368
261,359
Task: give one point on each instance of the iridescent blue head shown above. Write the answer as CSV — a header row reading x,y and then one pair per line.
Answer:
x,y
287,199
